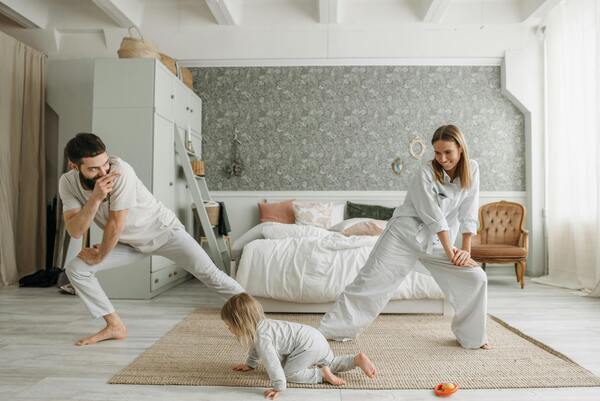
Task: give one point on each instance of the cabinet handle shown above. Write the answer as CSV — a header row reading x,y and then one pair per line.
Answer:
x,y
155,280
172,96
187,108
175,273
170,275
170,184
191,110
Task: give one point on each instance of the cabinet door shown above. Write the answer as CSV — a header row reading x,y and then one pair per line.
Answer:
x,y
163,92
195,112
181,104
163,179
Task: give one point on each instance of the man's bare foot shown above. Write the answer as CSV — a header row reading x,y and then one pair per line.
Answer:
x,y
363,362
110,332
329,377
115,330
486,346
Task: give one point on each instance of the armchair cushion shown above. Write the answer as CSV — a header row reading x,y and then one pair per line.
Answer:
x,y
494,251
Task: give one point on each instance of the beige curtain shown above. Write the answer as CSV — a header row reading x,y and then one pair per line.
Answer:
x,y
22,161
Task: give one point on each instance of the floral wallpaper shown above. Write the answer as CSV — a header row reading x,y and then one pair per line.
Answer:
x,y
339,128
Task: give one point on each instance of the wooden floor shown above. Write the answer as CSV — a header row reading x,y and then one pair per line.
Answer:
x,y
39,362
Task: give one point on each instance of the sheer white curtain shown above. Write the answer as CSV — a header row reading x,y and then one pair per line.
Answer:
x,y
573,146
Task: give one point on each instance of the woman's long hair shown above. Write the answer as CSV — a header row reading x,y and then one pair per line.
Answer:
x,y
463,168
243,313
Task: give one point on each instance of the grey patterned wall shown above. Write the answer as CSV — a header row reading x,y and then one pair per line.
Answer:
x,y
339,128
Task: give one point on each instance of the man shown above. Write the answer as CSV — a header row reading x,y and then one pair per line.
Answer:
x,y
106,190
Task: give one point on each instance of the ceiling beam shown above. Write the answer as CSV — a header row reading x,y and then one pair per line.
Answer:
x,y
329,11
26,14
535,10
436,11
124,13
225,12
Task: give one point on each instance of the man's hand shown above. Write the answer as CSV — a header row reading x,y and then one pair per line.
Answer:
x,y
104,185
91,256
242,367
271,393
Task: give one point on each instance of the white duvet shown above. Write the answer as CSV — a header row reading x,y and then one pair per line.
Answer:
x,y
307,264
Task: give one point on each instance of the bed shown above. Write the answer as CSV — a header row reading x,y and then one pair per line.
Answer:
x,y
300,268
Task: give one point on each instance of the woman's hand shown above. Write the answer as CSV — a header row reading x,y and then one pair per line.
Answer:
x,y
462,258
242,367
271,394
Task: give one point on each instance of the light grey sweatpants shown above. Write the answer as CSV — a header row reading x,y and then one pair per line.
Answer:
x,y
394,255
181,249
305,367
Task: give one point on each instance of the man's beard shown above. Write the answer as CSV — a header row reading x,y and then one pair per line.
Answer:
x,y
87,183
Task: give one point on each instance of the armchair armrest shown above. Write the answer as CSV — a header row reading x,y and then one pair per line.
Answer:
x,y
524,239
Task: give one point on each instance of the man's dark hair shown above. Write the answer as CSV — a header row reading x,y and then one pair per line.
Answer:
x,y
84,145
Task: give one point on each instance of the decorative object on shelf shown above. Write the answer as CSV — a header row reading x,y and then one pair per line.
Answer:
x,y
186,76
169,62
198,167
132,47
397,166
236,167
189,145
417,147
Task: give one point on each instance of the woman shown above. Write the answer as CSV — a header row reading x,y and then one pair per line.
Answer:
x,y
442,199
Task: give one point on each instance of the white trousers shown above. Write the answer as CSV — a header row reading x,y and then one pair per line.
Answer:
x,y
181,249
305,367
395,254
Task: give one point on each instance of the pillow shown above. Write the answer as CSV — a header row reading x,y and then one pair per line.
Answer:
x,y
364,228
279,212
360,226
337,213
281,231
313,213
370,211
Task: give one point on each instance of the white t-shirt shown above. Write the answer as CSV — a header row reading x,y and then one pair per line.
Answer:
x,y
148,223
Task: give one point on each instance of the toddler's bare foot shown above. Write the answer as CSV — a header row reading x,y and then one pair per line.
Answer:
x,y
363,362
329,377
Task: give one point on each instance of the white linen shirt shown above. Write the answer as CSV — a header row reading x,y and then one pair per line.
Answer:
x,y
148,221
441,206
276,340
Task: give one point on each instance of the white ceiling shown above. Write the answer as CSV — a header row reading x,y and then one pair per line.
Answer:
x,y
53,24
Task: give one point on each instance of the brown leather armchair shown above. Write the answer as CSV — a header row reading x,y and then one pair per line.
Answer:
x,y
501,237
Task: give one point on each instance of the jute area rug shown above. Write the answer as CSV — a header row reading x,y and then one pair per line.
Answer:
x,y
409,351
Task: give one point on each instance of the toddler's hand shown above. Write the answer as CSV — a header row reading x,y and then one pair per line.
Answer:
x,y
242,367
271,394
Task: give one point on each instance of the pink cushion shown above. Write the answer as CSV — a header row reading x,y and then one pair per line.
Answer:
x,y
280,212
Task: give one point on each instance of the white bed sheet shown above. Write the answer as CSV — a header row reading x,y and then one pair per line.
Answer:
x,y
311,269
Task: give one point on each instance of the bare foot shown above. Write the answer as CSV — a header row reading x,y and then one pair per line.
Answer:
x,y
486,346
363,362
110,332
329,377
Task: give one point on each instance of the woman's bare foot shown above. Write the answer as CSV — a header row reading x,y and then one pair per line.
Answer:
x,y
486,346
329,377
363,362
115,330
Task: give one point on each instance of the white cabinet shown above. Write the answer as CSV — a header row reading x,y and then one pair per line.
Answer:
x,y
137,103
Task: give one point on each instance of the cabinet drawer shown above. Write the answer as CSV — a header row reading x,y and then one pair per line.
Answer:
x,y
165,276
159,263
